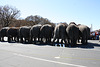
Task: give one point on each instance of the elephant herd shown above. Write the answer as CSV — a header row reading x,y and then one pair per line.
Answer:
x,y
61,33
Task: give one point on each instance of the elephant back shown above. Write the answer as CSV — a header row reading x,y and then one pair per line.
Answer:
x,y
3,31
24,31
35,30
13,31
72,31
60,31
46,31
83,30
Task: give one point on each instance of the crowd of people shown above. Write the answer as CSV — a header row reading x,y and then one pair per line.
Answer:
x,y
95,35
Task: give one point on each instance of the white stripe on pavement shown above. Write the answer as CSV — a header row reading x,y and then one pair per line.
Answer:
x,y
49,60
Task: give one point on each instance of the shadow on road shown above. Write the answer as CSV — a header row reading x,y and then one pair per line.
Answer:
x,y
91,44
87,46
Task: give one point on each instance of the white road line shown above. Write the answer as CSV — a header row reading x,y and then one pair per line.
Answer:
x,y
68,64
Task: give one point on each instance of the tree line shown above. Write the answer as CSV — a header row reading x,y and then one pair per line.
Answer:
x,y
9,17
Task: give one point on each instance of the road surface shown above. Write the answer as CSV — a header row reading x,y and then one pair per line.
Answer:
x,y
30,55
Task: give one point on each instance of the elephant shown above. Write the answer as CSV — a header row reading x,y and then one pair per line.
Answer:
x,y
35,32
3,33
46,31
60,33
84,33
72,23
73,34
24,32
13,32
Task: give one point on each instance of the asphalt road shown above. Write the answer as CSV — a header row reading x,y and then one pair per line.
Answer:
x,y
30,55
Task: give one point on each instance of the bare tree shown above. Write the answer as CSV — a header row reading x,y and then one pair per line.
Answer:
x,y
8,14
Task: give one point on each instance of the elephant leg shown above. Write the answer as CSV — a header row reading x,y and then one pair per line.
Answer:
x,y
2,38
39,39
54,40
9,39
14,38
78,40
21,39
31,39
72,42
75,42
35,40
68,41
25,40
49,39
53,43
86,40
58,41
83,40
28,40
65,42
17,39
62,41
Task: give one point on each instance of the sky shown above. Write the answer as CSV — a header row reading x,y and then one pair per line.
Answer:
x,y
85,12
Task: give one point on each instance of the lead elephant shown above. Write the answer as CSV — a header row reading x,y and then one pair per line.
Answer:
x,y
3,33
35,33
73,34
13,32
60,33
24,32
46,31
84,33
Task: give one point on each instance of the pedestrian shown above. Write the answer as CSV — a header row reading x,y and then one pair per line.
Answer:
x,y
97,35
93,34
99,38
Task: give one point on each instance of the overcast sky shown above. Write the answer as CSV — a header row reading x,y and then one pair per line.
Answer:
x,y
85,12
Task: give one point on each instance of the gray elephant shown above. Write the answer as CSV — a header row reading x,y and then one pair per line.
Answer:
x,y
73,34
24,32
84,33
35,32
3,33
46,32
60,33
72,23
13,32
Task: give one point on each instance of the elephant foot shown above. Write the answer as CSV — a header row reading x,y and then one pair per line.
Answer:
x,y
66,45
